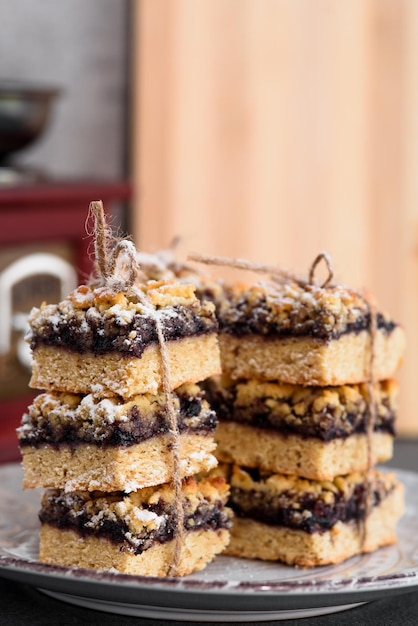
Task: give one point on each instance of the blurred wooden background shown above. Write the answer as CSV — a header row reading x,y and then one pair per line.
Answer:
x,y
274,129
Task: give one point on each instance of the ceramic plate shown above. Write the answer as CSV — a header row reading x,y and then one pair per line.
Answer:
x,y
228,589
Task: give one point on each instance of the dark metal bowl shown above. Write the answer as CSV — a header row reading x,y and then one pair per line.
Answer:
x,y
24,112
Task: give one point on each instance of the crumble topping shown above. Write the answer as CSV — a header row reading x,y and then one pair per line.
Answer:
x,y
163,265
212,489
57,418
97,320
311,506
161,293
287,309
293,486
324,412
140,518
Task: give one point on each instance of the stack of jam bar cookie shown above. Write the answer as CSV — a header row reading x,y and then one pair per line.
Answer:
x,y
99,439
306,409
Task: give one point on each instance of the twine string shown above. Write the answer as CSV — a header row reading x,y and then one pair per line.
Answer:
x,y
174,431
371,419
242,264
123,253
108,262
277,273
102,237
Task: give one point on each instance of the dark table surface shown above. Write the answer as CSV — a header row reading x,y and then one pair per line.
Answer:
x,y
22,605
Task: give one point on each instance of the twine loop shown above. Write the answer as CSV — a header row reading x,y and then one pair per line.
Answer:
x,y
322,256
276,273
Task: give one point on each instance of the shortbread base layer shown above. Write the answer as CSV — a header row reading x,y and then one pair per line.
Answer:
x,y
190,360
309,361
66,547
268,450
255,540
89,468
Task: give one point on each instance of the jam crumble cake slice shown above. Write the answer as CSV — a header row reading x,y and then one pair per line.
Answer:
x,y
85,443
305,335
135,533
309,523
105,343
314,432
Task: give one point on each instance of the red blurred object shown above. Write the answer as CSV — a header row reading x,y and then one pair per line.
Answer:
x,y
11,412
48,212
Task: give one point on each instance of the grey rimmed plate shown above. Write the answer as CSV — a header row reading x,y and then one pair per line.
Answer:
x,y
228,589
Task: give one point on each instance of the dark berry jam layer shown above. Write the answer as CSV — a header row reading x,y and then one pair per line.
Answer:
x,y
68,512
192,418
241,320
326,425
100,334
306,512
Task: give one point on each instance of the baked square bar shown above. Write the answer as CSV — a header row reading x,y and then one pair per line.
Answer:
x,y
106,343
85,443
305,335
135,533
309,523
313,432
